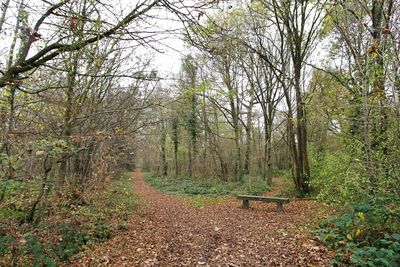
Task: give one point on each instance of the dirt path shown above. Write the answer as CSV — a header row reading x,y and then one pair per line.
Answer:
x,y
173,233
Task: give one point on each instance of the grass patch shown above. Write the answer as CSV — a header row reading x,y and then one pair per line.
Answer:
x,y
202,201
210,187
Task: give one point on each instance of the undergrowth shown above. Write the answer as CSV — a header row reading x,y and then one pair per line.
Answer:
x,y
206,187
60,238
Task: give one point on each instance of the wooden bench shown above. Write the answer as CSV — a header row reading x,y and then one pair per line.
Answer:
x,y
278,200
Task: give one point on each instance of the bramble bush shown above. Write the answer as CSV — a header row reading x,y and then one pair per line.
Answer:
x,y
366,235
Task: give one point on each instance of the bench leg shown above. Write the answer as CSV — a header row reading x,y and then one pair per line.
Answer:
x,y
279,206
246,204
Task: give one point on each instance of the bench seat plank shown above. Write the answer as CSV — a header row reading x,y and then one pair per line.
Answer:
x,y
265,199
278,200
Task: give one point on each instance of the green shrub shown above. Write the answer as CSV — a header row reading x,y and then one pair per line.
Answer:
x,y
34,247
7,213
72,240
288,187
99,232
5,244
17,196
337,179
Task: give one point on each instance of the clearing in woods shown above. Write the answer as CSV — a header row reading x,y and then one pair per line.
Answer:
x,y
171,232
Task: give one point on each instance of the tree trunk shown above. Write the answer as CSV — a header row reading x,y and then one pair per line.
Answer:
x,y
267,172
304,169
248,136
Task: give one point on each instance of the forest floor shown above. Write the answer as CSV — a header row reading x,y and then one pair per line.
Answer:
x,y
172,232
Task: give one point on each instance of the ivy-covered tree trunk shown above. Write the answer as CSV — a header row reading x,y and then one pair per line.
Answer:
x,y
163,139
380,138
192,132
188,83
175,140
68,120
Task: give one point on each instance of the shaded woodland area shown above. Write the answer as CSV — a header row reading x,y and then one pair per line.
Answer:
x,y
299,98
